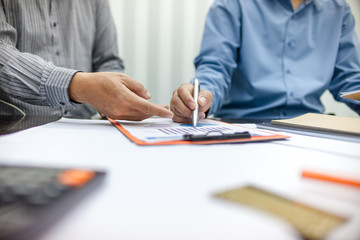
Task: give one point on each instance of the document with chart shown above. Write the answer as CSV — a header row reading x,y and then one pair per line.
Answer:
x,y
161,131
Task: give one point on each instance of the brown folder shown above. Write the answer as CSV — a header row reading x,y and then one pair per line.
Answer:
x,y
352,95
323,122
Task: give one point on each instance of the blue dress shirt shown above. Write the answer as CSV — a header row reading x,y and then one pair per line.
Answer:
x,y
262,59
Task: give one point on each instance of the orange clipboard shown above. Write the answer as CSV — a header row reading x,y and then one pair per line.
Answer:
x,y
272,136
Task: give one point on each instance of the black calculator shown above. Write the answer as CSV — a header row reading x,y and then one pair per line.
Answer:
x,y
32,198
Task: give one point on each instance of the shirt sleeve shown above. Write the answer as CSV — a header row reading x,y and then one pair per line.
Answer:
x,y
219,50
346,75
28,77
105,52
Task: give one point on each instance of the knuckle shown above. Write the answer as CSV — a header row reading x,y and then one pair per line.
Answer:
x,y
186,85
176,119
140,117
148,110
173,101
118,115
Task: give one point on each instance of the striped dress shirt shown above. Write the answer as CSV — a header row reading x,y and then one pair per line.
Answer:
x,y
43,43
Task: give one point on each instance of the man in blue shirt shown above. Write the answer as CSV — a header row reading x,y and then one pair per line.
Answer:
x,y
272,59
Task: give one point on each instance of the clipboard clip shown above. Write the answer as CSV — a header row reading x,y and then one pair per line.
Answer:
x,y
219,136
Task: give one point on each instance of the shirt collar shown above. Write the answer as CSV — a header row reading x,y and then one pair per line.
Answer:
x,y
320,4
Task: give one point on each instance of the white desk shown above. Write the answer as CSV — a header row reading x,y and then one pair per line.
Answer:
x,y
166,193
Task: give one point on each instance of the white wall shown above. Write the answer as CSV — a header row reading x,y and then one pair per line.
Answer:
x,y
159,39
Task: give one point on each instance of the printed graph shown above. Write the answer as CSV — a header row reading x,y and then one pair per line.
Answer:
x,y
182,130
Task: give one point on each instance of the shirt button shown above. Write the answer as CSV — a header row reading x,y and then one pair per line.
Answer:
x,y
54,24
291,94
57,53
62,103
291,44
288,71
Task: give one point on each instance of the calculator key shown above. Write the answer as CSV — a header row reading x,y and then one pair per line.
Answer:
x,y
75,178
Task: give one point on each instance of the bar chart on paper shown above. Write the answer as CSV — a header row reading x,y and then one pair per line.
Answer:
x,y
189,129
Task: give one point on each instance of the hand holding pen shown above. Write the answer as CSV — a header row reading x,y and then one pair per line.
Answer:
x,y
183,103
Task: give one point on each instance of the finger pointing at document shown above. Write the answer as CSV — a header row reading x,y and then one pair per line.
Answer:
x,y
115,95
183,103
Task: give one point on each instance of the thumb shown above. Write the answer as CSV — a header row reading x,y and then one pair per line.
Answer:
x,y
205,99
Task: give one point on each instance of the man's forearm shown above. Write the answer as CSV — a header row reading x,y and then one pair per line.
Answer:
x,y
31,79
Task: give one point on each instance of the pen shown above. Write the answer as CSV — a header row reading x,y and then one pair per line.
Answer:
x,y
196,96
330,178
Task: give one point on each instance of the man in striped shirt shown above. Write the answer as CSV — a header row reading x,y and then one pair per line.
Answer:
x,y
60,53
